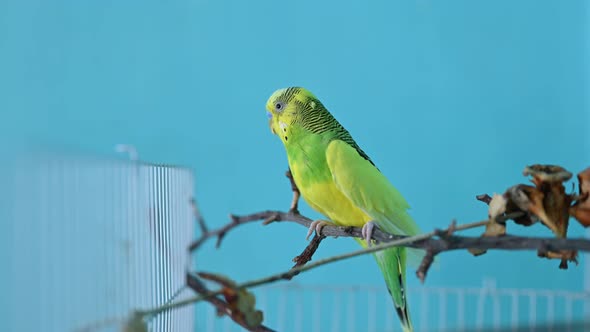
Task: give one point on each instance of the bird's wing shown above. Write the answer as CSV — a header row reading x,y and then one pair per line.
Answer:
x,y
369,189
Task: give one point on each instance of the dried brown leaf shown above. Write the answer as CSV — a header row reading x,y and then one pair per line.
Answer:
x,y
547,173
240,301
528,199
581,214
584,183
555,203
565,256
551,204
581,209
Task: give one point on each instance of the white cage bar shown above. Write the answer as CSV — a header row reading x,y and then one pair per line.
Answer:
x,y
369,308
94,239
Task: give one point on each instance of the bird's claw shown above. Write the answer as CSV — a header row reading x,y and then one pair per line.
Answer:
x,y
367,232
316,226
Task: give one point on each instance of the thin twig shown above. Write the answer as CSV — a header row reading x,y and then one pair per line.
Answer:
x,y
484,198
425,264
296,193
266,216
198,216
431,252
219,233
308,252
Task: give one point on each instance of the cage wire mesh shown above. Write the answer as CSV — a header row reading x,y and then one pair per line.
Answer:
x,y
94,239
319,308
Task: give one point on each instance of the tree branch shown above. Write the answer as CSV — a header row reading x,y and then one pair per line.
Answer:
x,y
425,241
444,241
435,246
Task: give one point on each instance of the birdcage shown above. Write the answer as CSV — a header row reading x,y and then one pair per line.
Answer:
x,y
93,239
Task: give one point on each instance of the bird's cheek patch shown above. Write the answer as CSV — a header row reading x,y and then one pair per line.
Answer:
x,y
283,126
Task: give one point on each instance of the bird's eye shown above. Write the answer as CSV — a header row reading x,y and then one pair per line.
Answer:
x,y
279,106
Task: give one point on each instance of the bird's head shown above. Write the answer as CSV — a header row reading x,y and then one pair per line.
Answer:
x,y
286,107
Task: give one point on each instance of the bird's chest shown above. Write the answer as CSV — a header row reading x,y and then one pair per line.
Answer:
x,y
307,160
315,182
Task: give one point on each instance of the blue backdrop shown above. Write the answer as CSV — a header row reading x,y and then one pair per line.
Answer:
x,y
450,99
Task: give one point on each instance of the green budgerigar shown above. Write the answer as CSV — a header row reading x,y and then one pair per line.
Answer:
x,y
337,179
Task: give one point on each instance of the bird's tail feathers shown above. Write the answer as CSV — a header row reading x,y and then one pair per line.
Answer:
x,y
404,317
393,266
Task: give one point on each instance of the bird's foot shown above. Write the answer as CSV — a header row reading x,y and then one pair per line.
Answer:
x,y
316,226
367,231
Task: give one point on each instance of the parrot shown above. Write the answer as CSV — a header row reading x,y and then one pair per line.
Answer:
x,y
338,179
